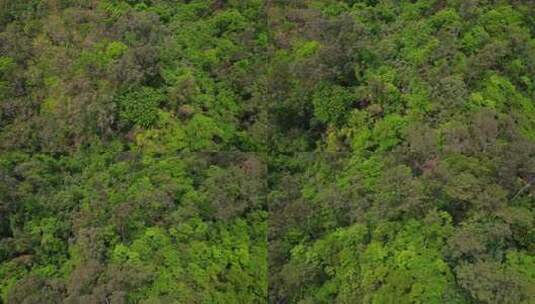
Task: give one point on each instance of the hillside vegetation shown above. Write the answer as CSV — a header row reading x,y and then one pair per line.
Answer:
x,y
267,151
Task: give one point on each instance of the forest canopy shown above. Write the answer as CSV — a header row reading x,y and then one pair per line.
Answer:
x,y
281,151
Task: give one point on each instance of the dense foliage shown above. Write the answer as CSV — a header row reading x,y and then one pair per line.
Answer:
x,y
105,196
421,115
284,151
